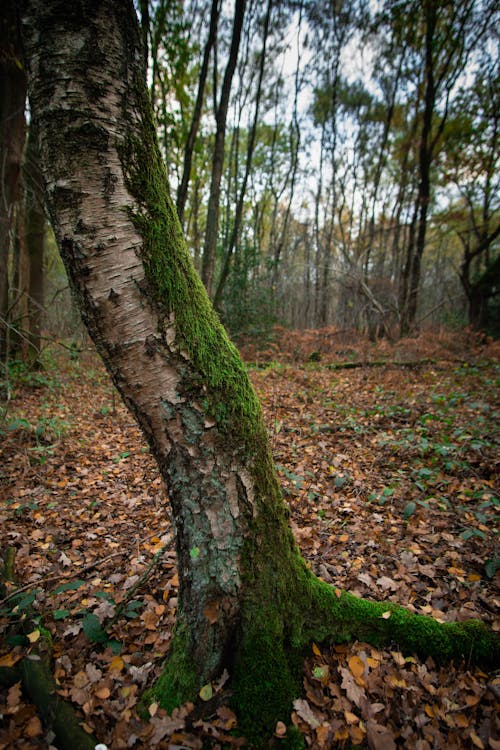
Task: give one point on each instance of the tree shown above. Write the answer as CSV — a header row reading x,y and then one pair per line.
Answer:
x,y
447,33
471,161
248,603
12,136
208,261
34,232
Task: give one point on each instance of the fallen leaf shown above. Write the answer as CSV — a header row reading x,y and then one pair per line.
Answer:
x,y
280,730
10,659
34,636
206,692
34,727
354,692
116,664
305,712
357,666
379,737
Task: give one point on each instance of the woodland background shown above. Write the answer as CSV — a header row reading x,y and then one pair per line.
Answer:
x,y
332,163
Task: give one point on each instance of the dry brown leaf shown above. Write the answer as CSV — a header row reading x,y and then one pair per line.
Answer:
x,y
354,692
305,712
34,727
379,737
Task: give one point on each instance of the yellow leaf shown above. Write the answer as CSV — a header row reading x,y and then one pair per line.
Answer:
x,y
316,650
429,711
9,659
206,692
174,581
394,682
34,636
152,709
474,577
350,717
341,734
386,615
116,664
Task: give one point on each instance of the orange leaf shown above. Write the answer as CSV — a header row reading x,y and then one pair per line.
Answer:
x,y
103,693
316,650
34,727
357,666
9,659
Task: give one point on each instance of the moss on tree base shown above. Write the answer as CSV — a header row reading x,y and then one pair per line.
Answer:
x,y
267,665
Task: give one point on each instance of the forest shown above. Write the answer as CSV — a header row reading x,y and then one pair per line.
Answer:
x,y
332,164
289,544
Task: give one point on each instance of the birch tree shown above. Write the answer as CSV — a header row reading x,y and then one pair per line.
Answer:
x,y
248,603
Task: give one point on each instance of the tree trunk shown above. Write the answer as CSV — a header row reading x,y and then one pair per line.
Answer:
x,y
416,245
248,603
235,232
12,135
208,262
34,233
195,122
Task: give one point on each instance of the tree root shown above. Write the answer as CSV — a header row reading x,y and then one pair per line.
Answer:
x,y
34,671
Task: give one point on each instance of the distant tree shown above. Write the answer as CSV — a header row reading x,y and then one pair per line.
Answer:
x,y
471,162
34,236
248,603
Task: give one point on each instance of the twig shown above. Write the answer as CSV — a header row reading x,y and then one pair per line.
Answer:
x,y
48,579
139,583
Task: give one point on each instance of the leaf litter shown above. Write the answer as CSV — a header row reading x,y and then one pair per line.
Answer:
x,y
391,476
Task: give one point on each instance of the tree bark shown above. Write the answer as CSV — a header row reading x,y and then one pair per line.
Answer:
x,y
248,603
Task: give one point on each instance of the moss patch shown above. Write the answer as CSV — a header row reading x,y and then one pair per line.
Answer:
x,y
176,288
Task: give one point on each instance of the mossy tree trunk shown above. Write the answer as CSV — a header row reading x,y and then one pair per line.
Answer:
x,y
247,603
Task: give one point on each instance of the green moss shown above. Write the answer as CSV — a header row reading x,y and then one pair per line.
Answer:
x,y
177,289
179,681
266,680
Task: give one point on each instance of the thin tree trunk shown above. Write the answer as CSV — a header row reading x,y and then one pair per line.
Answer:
x,y
235,232
195,122
248,603
12,136
208,261
34,232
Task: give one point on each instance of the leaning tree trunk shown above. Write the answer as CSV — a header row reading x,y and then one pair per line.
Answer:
x,y
248,603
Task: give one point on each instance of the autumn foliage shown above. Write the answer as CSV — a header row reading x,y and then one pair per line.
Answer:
x,y
391,476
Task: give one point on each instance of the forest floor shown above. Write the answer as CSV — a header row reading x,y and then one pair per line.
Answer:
x,y
391,474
